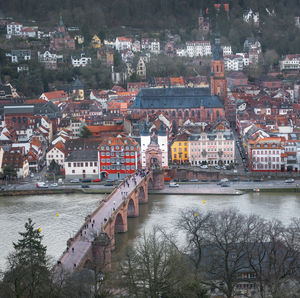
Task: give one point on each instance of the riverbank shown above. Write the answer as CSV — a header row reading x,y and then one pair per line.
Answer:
x,y
183,189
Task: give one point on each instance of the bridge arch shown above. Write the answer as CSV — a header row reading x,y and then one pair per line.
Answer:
x,y
132,208
142,195
120,225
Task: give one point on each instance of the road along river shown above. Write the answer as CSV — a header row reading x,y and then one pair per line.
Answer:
x,y
161,210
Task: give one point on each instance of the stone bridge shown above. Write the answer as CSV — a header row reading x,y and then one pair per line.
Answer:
x,y
92,245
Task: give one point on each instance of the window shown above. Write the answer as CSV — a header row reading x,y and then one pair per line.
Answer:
x,y
73,171
175,155
91,164
74,164
81,164
174,149
86,164
95,163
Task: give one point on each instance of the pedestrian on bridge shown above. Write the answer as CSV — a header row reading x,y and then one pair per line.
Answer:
x,y
72,249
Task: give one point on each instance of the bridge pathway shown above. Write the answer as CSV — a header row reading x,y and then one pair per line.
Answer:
x,y
82,242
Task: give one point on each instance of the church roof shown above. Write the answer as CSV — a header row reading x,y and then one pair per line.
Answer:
x,y
77,85
175,98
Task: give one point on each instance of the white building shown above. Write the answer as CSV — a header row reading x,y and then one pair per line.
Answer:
x,y
13,29
19,55
181,52
141,68
162,140
198,48
76,128
266,154
233,63
82,165
136,46
245,56
55,153
151,44
289,62
81,61
227,50
49,60
123,43
251,16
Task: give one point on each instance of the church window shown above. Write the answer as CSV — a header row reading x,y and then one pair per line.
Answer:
x,y
217,68
186,113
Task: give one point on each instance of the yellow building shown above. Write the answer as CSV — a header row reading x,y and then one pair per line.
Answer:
x,y
96,42
180,149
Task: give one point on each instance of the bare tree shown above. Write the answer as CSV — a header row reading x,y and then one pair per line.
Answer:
x,y
156,268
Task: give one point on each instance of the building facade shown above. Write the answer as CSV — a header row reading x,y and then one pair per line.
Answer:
x,y
118,157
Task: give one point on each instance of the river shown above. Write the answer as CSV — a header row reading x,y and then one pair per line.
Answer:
x,y
161,210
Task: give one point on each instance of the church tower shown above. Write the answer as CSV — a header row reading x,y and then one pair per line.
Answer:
x,y
217,77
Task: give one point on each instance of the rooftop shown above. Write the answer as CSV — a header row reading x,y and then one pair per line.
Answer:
x,y
165,98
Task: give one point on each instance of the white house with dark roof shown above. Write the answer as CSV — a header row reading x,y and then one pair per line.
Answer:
x,y
82,164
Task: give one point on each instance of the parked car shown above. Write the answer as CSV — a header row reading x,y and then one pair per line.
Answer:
x,y
109,183
31,175
41,185
173,184
291,180
54,184
87,180
204,167
75,181
184,180
96,180
85,186
194,180
224,185
217,167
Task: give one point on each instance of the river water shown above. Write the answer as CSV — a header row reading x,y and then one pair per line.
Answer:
x,y
161,210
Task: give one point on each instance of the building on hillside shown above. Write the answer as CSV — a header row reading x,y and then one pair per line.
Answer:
x,y
180,149
49,60
162,142
61,39
234,63
19,55
227,50
119,157
81,60
82,165
290,62
169,49
96,42
203,23
13,29
151,44
141,69
198,48
123,43
251,17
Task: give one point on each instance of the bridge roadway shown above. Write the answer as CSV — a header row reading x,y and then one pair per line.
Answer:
x,y
82,241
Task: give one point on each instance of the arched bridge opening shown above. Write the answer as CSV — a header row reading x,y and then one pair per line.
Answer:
x,y
119,224
132,209
142,196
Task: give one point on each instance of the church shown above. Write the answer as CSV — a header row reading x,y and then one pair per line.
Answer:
x,y
181,104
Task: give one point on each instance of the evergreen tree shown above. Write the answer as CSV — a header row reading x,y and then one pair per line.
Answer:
x,y
85,132
28,274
